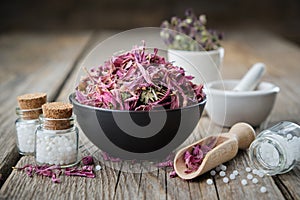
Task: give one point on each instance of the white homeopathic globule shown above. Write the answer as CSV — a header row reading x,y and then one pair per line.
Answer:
x,y
25,136
55,150
276,149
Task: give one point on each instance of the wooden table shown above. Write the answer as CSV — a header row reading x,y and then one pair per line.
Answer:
x,y
48,62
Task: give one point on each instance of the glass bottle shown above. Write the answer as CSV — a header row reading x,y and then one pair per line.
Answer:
x,y
276,150
56,142
26,125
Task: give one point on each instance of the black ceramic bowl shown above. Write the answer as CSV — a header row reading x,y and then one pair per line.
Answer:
x,y
140,135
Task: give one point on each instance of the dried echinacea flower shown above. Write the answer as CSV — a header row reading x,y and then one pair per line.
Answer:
x,y
55,171
52,172
85,171
138,80
192,159
87,160
172,174
168,163
190,33
107,157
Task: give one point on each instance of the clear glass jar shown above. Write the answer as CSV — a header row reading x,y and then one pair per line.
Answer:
x,y
276,150
26,124
57,147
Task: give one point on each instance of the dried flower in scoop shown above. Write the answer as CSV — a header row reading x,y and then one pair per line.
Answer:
x,y
194,158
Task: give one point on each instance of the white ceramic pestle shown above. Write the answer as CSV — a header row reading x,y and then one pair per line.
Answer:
x,y
251,78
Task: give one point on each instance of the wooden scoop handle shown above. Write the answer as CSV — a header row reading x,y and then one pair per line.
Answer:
x,y
243,133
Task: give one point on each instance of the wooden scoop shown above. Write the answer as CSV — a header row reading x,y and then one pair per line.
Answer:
x,y
240,136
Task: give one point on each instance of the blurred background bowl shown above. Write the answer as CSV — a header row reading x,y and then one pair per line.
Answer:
x,y
226,107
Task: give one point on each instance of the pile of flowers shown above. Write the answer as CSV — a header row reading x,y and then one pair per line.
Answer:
x,y
138,80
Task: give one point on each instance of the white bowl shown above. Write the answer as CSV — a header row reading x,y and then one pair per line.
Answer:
x,y
226,107
203,65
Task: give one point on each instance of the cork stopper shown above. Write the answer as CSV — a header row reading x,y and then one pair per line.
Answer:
x,y
31,104
57,115
31,101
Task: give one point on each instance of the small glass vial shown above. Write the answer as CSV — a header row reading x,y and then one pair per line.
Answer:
x,y
276,150
30,107
26,124
56,138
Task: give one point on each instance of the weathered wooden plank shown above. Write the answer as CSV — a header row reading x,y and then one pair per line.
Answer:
x,y
26,62
282,60
291,182
141,185
103,187
199,189
115,184
20,186
123,185
234,189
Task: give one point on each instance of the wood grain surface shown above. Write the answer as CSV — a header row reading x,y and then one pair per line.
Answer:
x,y
31,63
50,63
